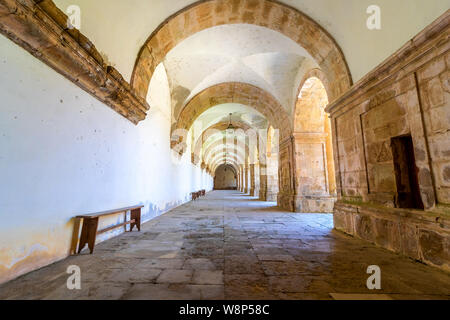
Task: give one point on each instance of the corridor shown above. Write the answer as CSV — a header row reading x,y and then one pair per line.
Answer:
x,y
232,246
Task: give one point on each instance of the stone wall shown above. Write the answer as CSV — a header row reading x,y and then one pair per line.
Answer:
x,y
407,95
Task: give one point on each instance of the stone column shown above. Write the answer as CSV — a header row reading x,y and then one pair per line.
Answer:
x,y
257,182
242,179
272,177
246,179
263,182
238,179
312,193
262,174
286,195
252,180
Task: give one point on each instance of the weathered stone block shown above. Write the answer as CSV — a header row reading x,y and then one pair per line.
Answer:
x,y
434,247
409,240
431,70
364,228
387,234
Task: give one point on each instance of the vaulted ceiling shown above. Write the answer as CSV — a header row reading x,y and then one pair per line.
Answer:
x,y
120,28
249,70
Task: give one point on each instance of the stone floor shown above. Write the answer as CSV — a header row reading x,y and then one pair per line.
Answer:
x,y
231,246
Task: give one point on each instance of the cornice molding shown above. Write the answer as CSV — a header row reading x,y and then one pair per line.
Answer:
x,y
40,27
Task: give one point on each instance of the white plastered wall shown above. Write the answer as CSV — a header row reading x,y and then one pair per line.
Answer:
x,y
64,153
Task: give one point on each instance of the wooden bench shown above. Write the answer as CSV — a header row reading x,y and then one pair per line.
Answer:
x,y
198,194
90,230
195,196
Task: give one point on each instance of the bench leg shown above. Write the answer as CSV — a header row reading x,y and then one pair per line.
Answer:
x,y
136,216
88,234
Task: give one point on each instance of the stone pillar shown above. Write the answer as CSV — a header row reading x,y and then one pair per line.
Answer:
x,y
272,177
243,179
238,179
263,182
262,173
257,182
312,180
286,195
252,180
246,180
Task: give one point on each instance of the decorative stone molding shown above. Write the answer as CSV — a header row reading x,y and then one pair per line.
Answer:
x,y
40,27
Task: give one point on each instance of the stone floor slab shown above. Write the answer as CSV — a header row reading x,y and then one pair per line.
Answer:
x,y
231,246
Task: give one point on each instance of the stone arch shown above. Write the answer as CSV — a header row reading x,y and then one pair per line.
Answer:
x,y
230,163
212,130
219,143
315,184
239,155
265,13
313,73
239,159
231,167
309,112
230,159
233,92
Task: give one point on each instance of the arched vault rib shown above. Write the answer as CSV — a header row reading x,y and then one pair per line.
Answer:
x,y
237,157
265,13
215,129
233,92
231,164
223,158
219,162
232,167
241,147
220,148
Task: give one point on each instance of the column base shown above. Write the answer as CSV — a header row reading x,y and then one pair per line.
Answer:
x,y
304,204
252,192
314,204
286,201
256,192
271,196
263,194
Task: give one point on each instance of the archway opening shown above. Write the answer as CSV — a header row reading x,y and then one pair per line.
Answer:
x,y
225,178
315,172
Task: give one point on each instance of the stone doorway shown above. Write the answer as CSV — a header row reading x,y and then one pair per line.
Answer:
x,y
406,177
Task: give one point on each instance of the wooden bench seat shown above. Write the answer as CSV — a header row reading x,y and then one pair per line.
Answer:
x,y
198,194
90,230
195,196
